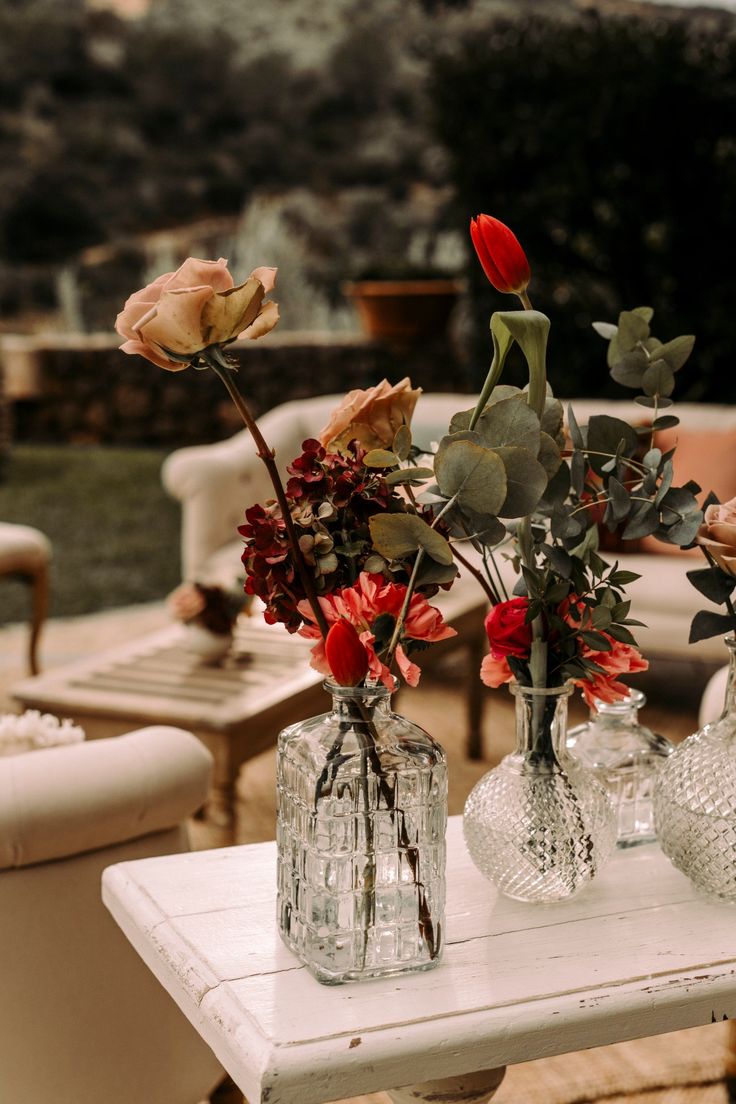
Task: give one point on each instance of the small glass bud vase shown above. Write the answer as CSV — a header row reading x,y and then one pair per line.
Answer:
x,y
362,816
538,825
695,800
625,756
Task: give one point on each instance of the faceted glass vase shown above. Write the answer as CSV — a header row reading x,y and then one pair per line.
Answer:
x,y
539,826
362,816
624,756
695,800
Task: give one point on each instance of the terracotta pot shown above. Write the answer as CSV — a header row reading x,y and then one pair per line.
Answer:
x,y
404,310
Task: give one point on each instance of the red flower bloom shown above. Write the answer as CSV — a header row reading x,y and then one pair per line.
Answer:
x,y
507,630
345,654
504,261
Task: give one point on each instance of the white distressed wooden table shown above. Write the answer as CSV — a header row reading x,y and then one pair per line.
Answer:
x,y
638,953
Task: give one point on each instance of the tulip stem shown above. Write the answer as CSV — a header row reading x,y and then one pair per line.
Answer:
x,y
219,365
525,300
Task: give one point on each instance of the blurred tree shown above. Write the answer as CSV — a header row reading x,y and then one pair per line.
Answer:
x,y
608,145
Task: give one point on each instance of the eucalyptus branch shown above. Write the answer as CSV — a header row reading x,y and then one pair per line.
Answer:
x,y
627,460
713,563
216,360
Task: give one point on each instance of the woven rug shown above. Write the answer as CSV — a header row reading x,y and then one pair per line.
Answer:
x,y
685,1067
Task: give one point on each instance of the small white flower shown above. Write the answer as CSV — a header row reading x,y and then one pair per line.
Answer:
x,y
32,729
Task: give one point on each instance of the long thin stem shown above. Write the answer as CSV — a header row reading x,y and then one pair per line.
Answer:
x,y
266,454
477,575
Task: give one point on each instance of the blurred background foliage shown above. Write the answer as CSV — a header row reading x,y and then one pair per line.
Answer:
x,y
338,138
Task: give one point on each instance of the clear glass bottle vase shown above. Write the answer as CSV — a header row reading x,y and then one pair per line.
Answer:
x,y
695,800
625,756
538,825
362,816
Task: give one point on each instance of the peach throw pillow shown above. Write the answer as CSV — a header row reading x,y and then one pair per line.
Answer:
x,y
709,457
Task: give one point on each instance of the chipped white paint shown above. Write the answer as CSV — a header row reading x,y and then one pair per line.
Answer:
x,y
638,953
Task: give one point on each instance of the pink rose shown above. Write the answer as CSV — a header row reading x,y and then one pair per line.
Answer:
x,y
371,417
717,534
185,311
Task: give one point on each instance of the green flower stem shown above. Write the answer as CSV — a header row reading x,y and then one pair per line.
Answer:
x,y
538,657
494,373
219,365
410,589
525,301
477,575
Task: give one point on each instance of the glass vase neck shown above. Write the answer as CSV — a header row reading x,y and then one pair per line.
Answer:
x,y
352,701
623,711
541,720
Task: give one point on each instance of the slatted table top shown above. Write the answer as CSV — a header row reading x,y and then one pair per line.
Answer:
x,y
156,678
638,953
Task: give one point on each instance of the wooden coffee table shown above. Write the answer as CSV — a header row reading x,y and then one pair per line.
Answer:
x,y
236,708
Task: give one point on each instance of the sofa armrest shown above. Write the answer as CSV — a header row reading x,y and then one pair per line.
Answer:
x,y
61,801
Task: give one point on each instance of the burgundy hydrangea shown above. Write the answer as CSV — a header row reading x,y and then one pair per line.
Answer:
x,y
332,498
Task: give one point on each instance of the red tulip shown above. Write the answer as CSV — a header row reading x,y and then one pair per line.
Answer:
x,y
346,654
504,261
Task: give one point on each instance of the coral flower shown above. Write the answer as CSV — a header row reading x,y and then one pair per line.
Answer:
x,y
361,605
504,261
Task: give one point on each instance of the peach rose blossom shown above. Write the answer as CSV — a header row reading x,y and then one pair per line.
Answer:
x,y
371,417
183,312
717,534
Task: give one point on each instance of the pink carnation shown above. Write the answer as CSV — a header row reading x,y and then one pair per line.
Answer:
x,y
361,605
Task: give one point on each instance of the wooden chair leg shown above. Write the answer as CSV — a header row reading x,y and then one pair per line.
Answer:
x,y
39,610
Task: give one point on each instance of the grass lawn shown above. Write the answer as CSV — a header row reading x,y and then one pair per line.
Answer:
x,y
114,530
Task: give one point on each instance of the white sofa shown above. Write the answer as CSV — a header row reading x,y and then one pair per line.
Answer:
x,y
82,1019
215,484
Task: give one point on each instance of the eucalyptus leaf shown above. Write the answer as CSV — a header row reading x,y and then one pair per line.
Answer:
x,y
667,421
713,583
577,472
666,483
606,329
658,379
553,417
560,560
558,487
409,475
475,474
461,420
632,328
484,529
509,422
642,522
630,369
402,442
396,536
549,454
380,458
706,624
526,481
620,500
573,428
432,573
677,351
651,402
605,435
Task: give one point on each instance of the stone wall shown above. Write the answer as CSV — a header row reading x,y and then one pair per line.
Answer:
x,y
82,389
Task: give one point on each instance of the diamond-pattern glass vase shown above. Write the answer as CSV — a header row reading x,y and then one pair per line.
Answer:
x,y
539,826
362,815
695,800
